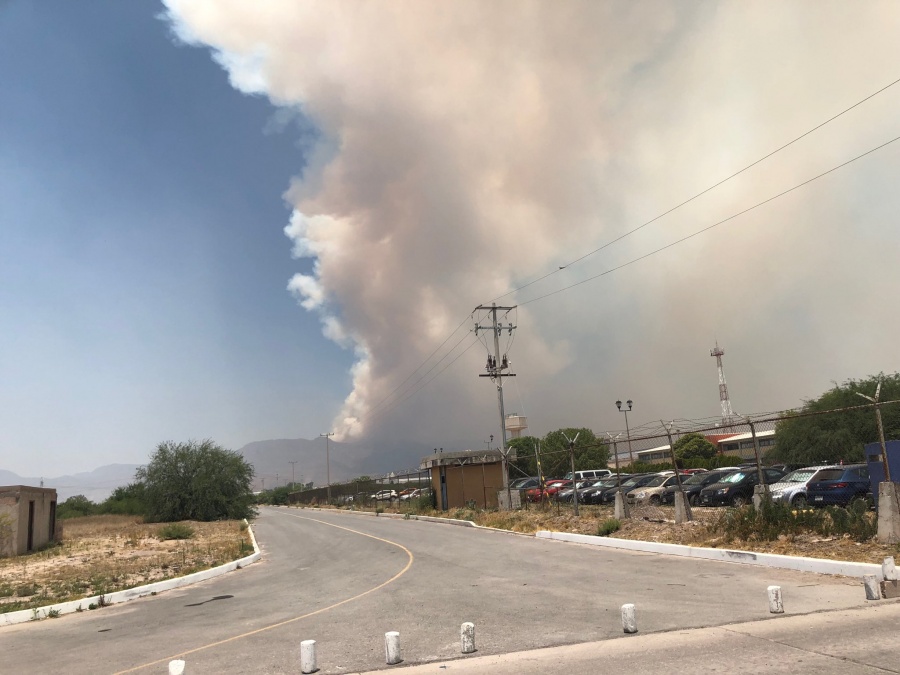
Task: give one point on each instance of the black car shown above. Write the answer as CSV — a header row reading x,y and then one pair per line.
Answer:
x,y
839,486
589,495
736,489
693,486
608,496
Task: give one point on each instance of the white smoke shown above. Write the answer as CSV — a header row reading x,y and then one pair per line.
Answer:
x,y
472,146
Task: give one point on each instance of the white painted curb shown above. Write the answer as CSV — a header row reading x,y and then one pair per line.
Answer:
x,y
26,615
786,562
430,519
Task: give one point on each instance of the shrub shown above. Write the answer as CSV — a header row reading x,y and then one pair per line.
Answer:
x,y
176,531
608,526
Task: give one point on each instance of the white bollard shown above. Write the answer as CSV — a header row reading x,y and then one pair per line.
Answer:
x,y
629,623
776,606
176,667
889,569
467,637
392,648
308,657
873,588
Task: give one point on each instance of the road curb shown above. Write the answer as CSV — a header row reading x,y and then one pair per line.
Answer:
x,y
25,615
428,519
787,562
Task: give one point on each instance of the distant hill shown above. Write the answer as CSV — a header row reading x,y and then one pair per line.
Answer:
x,y
271,461
96,485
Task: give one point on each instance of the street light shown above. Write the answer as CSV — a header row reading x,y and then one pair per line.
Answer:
x,y
627,431
327,466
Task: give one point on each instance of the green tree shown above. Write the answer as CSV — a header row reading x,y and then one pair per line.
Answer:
x,y
196,481
838,436
524,464
129,500
75,507
589,452
693,446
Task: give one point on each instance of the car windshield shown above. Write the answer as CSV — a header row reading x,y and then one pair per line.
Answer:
x,y
631,482
735,477
656,482
606,482
798,476
696,479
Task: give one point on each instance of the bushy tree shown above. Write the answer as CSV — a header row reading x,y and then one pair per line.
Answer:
x,y
693,446
128,500
76,506
838,436
589,453
196,481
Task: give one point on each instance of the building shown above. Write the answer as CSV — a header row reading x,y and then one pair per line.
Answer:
x,y
741,445
27,518
466,476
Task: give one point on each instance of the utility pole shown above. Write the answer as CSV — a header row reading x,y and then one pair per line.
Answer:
x,y
292,472
327,466
496,364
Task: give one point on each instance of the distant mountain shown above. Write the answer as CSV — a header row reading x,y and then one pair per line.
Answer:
x,y
272,460
96,485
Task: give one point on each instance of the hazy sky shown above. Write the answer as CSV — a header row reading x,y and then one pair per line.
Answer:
x,y
248,220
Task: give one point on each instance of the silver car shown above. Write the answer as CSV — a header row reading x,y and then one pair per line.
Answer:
x,y
791,489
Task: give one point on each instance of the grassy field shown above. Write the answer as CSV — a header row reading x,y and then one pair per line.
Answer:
x,y
102,554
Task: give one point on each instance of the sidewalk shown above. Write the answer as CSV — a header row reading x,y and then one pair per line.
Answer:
x,y
863,640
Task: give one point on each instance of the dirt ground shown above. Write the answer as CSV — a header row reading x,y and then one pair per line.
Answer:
x,y
658,524
103,554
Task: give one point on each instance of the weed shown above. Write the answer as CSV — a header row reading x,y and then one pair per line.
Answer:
x,y
176,531
608,526
53,613
26,590
35,614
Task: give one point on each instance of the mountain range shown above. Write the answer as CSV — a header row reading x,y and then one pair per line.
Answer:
x,y
271,460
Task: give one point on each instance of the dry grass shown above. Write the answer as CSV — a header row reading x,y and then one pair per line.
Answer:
x,y
102,554
657,524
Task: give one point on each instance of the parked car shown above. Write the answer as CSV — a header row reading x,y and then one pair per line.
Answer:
x,y
383,495
566,493
551,487
596,474
651,492
791,488
414,494
693,485
839,486
525,483
736,489
608,496
590,494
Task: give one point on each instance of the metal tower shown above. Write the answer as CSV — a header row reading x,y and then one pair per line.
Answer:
x,y
727,412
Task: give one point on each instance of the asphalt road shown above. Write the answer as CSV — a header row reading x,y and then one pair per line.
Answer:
x,y
345,579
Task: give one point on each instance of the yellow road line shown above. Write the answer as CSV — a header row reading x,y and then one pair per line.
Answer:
x,y
296,618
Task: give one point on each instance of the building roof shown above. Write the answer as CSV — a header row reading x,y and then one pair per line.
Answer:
x,y
466,457
747,436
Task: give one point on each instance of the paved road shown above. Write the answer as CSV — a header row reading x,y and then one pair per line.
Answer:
x,y
345,579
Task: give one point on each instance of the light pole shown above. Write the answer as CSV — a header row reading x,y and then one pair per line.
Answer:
x,y
292,472
627,431
327,466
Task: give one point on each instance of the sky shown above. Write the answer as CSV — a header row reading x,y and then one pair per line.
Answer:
x,y
247,221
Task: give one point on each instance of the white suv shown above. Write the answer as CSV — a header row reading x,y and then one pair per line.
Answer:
x,y
384,494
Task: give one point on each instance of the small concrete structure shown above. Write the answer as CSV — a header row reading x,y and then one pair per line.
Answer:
x,y
392,648
888,513
629,622
467,637
27,518
308,661
776,606
465,476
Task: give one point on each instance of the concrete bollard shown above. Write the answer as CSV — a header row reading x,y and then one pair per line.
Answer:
x,y
629,623
682,508
889,569
392,648
776,606
467,637
308,660
873,588
176,667
621,510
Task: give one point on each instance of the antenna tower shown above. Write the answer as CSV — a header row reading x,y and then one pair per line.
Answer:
x,y
727,413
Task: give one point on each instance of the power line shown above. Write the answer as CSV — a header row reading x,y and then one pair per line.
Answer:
x,y
699,194
709,227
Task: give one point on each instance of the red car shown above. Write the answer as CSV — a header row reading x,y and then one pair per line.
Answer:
x,y
551,487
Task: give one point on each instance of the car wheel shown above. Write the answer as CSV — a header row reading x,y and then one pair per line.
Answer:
x,y
655,500
692,499
799,502
738,501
